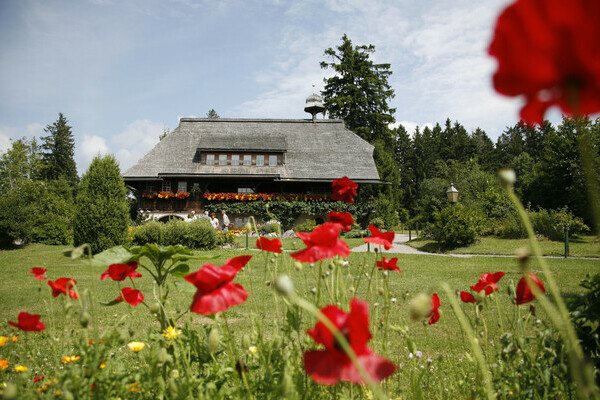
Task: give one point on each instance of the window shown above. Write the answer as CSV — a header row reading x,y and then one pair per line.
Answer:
x,y
245,190
166,186
222,159
247,159
149,187
210,159
182,186
260,160
235,159
272,159
196,186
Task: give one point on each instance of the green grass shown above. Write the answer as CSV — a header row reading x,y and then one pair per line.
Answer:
x,y
581,246
443,343
288,244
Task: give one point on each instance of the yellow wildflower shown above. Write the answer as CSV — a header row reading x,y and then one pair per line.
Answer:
x,y
14,339
134,387
171,332
3,340
43,388
21,368
3,364
69,359
103,365
136,346
253,349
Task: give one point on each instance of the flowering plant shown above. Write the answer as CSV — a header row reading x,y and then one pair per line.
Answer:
x,y
182,195
165,195
265,197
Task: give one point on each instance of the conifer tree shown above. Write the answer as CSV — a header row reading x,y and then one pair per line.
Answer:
x,y
58,149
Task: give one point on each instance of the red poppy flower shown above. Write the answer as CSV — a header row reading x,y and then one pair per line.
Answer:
x,y
332,365
343,218
343,189
62,285
322,243
524,293
435,312
28,322
119,272
131,295
488,282
388,264
266,244
38,378
39,273
548,52
385,239
467,297
215,292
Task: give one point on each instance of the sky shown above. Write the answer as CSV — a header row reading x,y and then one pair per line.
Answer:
x,y
124,71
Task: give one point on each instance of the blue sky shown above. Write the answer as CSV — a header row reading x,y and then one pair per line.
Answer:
x,y
122,71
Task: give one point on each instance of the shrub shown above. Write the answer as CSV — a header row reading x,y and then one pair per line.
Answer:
x,y
511,227
455,227
585,312
307,226
101,209
198,234
378,222
552,223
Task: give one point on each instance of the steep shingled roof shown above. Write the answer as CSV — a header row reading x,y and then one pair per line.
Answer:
x,y
324,150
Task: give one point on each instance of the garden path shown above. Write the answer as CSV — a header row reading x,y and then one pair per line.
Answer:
x,y
399,247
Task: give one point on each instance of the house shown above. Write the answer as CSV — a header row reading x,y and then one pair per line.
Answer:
x,y
239,159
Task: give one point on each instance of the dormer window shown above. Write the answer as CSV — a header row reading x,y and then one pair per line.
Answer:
x,y
247,159
235,159
210,159
272,160
222,159
260,160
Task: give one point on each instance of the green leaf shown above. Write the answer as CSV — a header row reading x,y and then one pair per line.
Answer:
x,y
114,255
180,271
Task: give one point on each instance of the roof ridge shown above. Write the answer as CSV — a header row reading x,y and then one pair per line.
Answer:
x,y
271,120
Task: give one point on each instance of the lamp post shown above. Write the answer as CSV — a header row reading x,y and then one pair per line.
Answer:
x,y
452,195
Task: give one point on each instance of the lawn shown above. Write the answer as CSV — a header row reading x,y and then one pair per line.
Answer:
x,y
579,246
443,345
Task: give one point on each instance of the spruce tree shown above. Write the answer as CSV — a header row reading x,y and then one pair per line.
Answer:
x,y
58,149
101,209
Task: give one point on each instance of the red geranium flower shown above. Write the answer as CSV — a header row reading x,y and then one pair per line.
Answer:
x,y
131,295
488,282
28,322
385,239
62,285
332,365
39,273
119,272
435,312
343,189
215,291
322,243
266,244
388,264
524,293
467,297
343,218
548,52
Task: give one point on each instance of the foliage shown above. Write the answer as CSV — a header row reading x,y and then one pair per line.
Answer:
x,y
20,162
378,222
58,149
225,238
212,114
512,227
552,223
455,227
585,312
306,226
101,209
198,234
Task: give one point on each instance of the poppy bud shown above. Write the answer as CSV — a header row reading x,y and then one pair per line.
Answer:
x,y
68,307
381,291
313,290
174,374
522,254
298,266
284,285
213,341
164,358
331,265
155,308
246,341
85,318
419,307
248,226
352,290
507,176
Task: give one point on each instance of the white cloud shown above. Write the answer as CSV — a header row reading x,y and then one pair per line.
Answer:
x,y
135,141
6,133
90,147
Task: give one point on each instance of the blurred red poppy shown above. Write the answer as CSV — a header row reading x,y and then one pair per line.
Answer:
x,y
39,273
343,218
524,293
131,296
38,378
467,297
332,365
28,322
388,264
343,189
215,291
488,282
265,244
62,285
435,312
119,272
548,51
385,239
322,243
